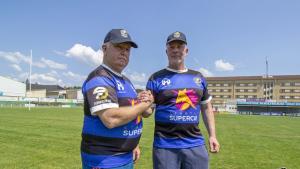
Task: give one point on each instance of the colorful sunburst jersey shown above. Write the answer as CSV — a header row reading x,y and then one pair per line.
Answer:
x,y
102,147
178,98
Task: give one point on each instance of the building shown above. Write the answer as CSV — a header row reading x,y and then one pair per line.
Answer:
x,y
74,94
11,89
282,88
45,91
268,108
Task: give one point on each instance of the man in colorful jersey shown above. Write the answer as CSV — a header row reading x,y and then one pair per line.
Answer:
x,y
180,94
112,115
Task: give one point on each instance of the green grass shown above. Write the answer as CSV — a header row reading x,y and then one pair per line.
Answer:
x,y
50,138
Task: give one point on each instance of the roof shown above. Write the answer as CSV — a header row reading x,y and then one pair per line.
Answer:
x,y
47,87
281,77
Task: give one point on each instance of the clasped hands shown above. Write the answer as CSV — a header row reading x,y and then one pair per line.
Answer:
x,y
146,97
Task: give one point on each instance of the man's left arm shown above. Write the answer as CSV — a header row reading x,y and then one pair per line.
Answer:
x,y
136,153
209,121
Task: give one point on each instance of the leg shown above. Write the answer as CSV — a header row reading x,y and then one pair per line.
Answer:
x,y
165,158
195,158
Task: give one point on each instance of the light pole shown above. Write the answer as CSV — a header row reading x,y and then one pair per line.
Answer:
x,y
30,64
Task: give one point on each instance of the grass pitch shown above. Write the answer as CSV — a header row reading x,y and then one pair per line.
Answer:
x,y
49,138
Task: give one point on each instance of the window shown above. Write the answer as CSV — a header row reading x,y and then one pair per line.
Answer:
x,y
218,85
297,83
287,91
217,90
252,84
225,90
210,84
242,84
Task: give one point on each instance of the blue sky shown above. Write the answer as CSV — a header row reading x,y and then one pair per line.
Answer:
x,y
225,38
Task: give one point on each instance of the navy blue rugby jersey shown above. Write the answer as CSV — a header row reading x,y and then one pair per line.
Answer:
x,y
178,97
100,146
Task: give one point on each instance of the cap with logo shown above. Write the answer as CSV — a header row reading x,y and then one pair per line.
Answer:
x,y
176,36
116,36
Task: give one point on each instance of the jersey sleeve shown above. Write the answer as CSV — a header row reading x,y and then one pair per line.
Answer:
x,y
101,94
206,97
151,85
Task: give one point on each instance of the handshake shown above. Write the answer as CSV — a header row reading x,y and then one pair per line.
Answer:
x,y
146,98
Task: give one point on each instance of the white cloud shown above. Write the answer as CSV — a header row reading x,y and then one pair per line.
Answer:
x,y
23,76
53,77
136,77
53,73
74,75
38,64
223,66
20,63
86,54
16,67
75,78
40,78
59,53
14,57
53,64
17,58
206,72
137,86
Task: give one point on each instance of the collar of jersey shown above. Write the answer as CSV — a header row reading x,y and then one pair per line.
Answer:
x,y
177,71
108,68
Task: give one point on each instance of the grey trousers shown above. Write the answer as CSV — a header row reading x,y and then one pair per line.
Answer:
x,y
188,158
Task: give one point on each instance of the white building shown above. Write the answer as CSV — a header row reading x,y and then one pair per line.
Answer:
x,y
11,88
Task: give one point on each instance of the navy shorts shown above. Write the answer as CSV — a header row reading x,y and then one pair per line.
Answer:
x,y
187,158
126,166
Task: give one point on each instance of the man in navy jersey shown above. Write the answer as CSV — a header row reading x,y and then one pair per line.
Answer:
x,y
180,96
112,112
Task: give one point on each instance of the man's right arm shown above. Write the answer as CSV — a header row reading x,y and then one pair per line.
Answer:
x,y
115,117
103,102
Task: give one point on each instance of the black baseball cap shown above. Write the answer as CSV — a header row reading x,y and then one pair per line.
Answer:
x,y
116,36
176,36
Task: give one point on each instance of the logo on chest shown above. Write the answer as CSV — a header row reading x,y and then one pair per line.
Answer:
x,y
120,86
186,99
165,82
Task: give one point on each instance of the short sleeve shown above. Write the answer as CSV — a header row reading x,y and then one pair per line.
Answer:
x,y
101,94
205,97
151,85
